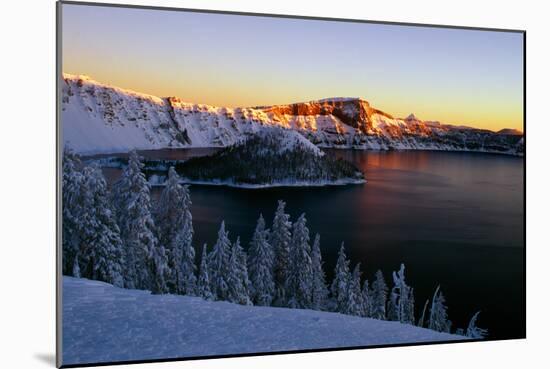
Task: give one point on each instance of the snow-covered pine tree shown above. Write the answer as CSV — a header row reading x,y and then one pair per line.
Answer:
x,y
238,276
218,264
339,286
243,269
260,266
159,267
101,246
175,229
72,184
355,304
422,320
401,294
473,331
145,259
319,293
392,309
379,296
183,256
234,283
203,284
299,282
367,299
438,313
280,237
408,316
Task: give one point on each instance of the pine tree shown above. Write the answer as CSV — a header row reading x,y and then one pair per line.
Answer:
x,y
367,299
183,256
438,313
145,259
72,190
422,320
260,265
203,284
354,302
392,309
408,312
299,282
157,263
218,265
91,241
379,296
474,331
402,297
339,287
279,239
238,276
234,282
101,249
319,293
243,271
175,228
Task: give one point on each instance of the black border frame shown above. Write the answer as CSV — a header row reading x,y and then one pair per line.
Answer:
x,y
58,282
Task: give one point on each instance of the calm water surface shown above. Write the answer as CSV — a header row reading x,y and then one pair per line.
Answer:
x,y
454,219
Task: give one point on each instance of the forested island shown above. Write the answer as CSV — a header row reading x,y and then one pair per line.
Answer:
x,y
278,158
274,157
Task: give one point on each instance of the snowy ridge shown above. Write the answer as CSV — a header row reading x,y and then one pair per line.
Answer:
x,y
104,323
290,140
100,118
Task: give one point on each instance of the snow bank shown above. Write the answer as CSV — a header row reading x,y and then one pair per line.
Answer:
x,y
290,140
103,323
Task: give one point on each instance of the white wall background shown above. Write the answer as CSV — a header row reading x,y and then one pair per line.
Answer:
x,y
27,202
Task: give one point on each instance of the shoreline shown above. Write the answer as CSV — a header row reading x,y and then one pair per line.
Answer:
x,y
94,155
232,184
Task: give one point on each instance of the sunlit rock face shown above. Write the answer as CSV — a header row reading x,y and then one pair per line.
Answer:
x,y
100,118
353,112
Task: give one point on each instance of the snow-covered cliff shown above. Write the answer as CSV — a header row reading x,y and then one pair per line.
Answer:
x,y
101,118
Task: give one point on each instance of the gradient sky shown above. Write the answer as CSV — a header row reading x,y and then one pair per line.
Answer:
x,y
455,76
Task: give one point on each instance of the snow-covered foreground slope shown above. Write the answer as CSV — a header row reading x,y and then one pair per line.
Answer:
x,y
101,118
104,323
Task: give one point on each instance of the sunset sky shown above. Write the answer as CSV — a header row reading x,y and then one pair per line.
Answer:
x,y
455,76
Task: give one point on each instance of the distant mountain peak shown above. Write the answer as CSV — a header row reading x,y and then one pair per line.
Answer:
x,y
76,76
510,132
412,117
340,99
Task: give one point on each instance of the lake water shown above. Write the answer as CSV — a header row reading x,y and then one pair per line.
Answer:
x,y
454,219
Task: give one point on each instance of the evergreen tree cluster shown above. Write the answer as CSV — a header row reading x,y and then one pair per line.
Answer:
x,y
121,237
262,160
